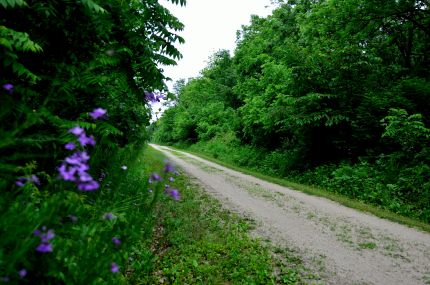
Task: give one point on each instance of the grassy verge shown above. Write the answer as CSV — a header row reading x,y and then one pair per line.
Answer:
x,y
312,190
197,241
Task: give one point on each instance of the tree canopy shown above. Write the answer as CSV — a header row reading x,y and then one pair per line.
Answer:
x,y
322,83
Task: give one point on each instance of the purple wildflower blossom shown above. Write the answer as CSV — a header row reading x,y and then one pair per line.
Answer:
x,y
70,146
171,179
98,113
174,193
34,179
114,268
44,248
84,140
150,181
45,238
116,241
169,167
74,169
109,216
88,186
149,96
67,174
21,181
77,131
22,273
156,177
8,87
161,97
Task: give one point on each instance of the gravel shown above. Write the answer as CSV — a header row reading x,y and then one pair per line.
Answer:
x,y
343,245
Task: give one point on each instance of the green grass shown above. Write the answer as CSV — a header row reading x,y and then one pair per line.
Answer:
x,y
367,245
315,191
197,241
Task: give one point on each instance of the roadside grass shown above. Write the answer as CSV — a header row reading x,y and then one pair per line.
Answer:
x,y
197,241
315,191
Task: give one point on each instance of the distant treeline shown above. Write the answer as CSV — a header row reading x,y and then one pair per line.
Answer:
x,y
332,93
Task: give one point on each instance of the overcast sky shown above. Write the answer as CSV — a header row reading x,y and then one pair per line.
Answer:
x,y
210,25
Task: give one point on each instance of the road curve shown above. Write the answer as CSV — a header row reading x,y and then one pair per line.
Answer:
x,y
344,245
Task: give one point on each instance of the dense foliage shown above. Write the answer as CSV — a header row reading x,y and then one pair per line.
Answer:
x,y
333,93
59,60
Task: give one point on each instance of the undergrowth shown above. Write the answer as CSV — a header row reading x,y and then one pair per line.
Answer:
x,y
350,185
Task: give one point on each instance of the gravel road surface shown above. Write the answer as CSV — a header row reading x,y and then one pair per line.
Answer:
x,y
343,245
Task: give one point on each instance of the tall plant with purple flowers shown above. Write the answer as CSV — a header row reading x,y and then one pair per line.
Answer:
x,y
75,167
68,182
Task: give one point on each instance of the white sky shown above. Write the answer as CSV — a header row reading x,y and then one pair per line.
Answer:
x,y
210,25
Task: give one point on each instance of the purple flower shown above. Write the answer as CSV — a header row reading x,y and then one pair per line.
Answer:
x,y
124,167
174,193
149,96
109,216
176,173
77,131
21,181
150,191
150,181
88,185
116,241
45,238
169,167
98,113
67,174
171,179
160,97
34,179
114,268
22,273
155,177
84,140
74,169
78,158
44,248
85,177
8,87
70,146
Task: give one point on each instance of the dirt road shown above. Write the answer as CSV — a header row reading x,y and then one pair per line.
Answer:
x,y
345,246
